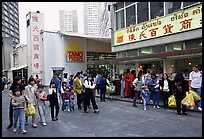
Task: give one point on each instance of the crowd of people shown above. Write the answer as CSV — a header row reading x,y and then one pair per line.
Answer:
x,y
80,89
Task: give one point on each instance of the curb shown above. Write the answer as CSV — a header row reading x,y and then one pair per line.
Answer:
x,y
148,104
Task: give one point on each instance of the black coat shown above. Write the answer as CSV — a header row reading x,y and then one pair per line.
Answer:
x,y
180,88
161,83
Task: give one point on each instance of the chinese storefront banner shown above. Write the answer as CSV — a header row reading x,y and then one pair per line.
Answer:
x,y
74,52
184,20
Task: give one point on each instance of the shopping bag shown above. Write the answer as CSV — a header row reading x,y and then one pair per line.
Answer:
x,y
30,110
188,100
172,101
195,95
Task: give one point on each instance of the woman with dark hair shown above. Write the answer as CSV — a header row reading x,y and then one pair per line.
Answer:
x,y
165,88
138,88
127,83
180,92
17,84
31,93
132,78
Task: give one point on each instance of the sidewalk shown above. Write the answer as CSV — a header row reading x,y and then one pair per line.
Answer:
x,y
130,100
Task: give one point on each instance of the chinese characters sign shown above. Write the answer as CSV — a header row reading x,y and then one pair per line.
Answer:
x,y
184,20
74,52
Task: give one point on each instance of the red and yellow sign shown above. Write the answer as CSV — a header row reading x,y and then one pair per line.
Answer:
x,y
184,20
74,52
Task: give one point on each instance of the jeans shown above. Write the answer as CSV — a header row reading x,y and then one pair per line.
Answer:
x,y
145,100
21,114
155,97
122,92
41,110
198,90
67,105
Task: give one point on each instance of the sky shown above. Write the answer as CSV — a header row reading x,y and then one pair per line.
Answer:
x,y
51,15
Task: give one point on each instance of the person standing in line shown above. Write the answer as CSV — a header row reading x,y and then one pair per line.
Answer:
x,y
180,92
89,86
195,84
98,77
54,101
165,88
17,84
122,83
127,83
31,93
63,87
137,88
71,81
132,78
37,80
42,97
19,105
78,88
57,81
102,87
67,99
154,88
146,79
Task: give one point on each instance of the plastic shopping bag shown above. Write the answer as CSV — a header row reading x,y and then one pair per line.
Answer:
x,y
188,100
195,95
30,110
172,101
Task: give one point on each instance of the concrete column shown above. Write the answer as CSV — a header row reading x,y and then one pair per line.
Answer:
x,y
168,66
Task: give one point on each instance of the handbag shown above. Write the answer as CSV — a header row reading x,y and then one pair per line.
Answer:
x,y
172,101
30,110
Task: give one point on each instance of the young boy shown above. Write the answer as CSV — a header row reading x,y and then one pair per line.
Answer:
x,y
19,104
67,99
145,94
41,96
72,96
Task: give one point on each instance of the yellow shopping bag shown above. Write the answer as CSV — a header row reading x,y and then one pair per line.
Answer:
x,y
172,101
30,110
188,100
195,95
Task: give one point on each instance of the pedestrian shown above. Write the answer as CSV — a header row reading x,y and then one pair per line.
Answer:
x,y
67,99
57,81
63,87
78,87
71,81
72,100
195,84
37,80
54,100
132,78
145,94
19,105
127,83
146,79
122,84
89,86
41,98
17,84
165,89
65,79
31,93
102,87
180,92
97,81
155,90
137,88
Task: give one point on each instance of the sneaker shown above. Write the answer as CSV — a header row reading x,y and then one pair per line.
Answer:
x,y
34,126
179,113
145,109
134,105
14,130
192,108
26,123
24,131
56,118
53,119
44,124
9,126
151,101
199,108
184,113
158,107
154,106
141,101
68,110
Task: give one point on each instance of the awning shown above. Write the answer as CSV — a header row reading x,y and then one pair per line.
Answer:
x,y
17,68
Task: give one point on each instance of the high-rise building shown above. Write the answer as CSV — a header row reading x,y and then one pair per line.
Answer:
x,y
68,21
10,21
105,20
92,14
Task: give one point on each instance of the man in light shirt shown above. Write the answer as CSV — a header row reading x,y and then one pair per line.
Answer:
x,y
195,83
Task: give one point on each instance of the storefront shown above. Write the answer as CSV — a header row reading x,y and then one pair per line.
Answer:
x,y
170,43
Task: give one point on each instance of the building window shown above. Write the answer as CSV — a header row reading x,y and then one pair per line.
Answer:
x,y
128,3
156,9
142,12
119,5
158,49
173,7
120,19
193,44
130,15
175,47
185,4
132,53
145,51
121,54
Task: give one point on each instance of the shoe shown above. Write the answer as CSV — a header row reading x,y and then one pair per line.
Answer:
x,y
141,101
68,110
151,101
56,118
96,111
34,126
79,108
154,106
145,109
192,108
14,130
9,126
158,107
199,108
184,113
24,131
134,105
85,111
179,113
89,107
53,119
44,124
73,108
26,123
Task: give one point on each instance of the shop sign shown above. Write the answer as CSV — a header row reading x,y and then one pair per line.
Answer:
x,y
181,21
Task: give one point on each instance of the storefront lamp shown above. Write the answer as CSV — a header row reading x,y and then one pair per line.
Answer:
x,y
189,63
146,52
177,48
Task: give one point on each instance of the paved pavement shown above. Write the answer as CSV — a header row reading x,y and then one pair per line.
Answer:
x,y
115,119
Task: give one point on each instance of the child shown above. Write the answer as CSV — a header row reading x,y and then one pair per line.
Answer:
x,y
41,96
72,96
19,104
145,94
67,99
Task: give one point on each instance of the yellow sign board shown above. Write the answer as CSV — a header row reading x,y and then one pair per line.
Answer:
x,y
184,20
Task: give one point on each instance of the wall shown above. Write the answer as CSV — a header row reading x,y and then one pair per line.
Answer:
x,y
96,46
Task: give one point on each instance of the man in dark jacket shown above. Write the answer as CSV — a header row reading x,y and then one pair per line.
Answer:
x,y
102,87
